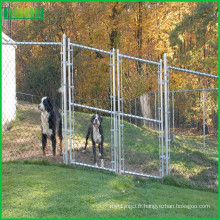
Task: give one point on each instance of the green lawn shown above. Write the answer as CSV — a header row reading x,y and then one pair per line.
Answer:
x,y
37,191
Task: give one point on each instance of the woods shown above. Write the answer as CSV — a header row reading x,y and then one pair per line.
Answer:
x,y
186,32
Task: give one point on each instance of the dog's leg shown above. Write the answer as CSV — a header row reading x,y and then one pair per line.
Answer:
x,y
53,139
99,150
44,143
87,137
94,153
61,145
102,155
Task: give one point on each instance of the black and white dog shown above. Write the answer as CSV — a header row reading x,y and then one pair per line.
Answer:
x,y
96,132
51,122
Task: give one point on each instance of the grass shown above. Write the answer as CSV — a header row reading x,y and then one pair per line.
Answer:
x,y
37,191
140,147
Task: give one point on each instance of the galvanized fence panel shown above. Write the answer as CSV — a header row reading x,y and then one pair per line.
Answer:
x,y
139,121
193,125
94,70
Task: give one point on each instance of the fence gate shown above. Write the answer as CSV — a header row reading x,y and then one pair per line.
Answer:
x,y
86,64
140,116
133,141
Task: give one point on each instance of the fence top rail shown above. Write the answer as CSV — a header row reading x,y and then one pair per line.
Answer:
x,y
139,117
91,48
195,90
191,71
32,43
176,91
22,93
139,59
92,108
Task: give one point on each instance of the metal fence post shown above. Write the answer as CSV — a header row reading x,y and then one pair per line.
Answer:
x,y
65,155
161,118
166,112
119,109
71,135
115,118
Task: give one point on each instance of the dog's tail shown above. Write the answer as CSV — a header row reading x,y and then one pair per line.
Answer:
x,y
58,98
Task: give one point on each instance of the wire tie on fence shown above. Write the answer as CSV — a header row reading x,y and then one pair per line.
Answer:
x,y
69,64
71,87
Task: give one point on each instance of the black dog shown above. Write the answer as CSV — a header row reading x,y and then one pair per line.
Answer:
x,y
51,122
95,129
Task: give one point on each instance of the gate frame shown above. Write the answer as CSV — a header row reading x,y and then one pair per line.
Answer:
x,y
161,82
70,88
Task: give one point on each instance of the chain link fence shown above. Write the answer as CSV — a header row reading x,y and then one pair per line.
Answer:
x,y
193,122
30,71
89,86
194,136
142,149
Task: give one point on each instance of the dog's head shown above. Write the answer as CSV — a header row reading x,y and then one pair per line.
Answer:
x,y
96,120
46,104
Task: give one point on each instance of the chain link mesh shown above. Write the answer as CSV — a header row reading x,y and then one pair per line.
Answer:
x,y
92,88
29,72
194,131
140,136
